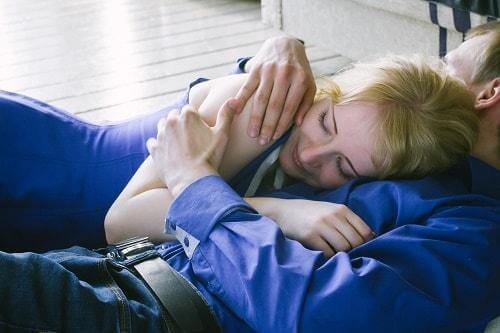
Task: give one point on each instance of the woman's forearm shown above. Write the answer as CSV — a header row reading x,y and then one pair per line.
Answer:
x,y
141,215
324,226
265,206
140,209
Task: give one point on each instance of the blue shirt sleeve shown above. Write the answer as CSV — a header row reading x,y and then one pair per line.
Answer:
x,y
438,278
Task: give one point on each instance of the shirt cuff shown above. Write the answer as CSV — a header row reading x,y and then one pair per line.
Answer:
x,y
194,213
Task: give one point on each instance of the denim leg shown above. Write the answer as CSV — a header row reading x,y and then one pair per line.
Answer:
x,y
73,290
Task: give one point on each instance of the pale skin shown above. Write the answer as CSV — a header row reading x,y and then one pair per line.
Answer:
x,y
286,56
462,62
146,198
283,84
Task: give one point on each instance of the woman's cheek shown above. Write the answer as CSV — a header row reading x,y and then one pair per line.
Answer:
x,y
329,178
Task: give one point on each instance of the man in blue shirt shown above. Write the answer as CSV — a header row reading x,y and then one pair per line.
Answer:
x,y
434,266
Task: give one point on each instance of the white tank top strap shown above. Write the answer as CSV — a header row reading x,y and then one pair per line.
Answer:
x,y
270,160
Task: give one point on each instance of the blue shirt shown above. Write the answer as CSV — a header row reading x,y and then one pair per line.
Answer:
x,y
434,266
59,174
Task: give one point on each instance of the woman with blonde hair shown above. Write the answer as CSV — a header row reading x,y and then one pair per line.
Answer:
x,y
396,117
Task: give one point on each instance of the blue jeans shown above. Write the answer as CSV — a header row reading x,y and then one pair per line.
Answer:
x,y
73,290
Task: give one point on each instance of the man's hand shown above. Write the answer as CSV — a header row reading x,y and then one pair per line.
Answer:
x,y
283,83
317,225
186,148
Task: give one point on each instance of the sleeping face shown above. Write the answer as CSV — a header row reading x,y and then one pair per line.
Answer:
x,y
333,144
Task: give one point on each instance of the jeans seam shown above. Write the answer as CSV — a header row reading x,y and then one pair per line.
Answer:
x,y
27,328
124,311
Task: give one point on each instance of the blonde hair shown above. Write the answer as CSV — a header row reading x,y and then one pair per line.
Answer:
x,y
427,121
488,62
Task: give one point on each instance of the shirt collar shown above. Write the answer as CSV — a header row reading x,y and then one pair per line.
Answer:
x,y
485,179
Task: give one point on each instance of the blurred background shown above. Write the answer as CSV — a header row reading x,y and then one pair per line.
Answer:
x,y
113,59
109,60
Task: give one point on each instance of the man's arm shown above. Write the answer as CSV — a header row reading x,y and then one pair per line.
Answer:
x,y
434,278
283,85
430,274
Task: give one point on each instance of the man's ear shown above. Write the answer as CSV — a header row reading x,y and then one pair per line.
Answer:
x,y
489,96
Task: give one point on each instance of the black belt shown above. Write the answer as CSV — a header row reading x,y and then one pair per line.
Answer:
x,y
179,298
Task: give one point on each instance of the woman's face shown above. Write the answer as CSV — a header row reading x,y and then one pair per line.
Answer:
x,y
333,145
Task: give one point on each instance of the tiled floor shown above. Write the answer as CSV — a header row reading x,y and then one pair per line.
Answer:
x,y
111,59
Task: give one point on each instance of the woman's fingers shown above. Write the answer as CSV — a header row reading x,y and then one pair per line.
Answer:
x,y
360,226
352,228
344,230
328,251
319,243
349,233
335,238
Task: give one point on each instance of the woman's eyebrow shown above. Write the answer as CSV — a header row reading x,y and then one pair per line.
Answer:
x,y
334,122
337,132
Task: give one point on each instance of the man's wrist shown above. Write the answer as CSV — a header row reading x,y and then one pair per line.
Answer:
x,y
280,42
179,184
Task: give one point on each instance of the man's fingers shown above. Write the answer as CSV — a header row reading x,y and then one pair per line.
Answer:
x,y
151,145
187,108
260,102
292,102
247,90
225,115
161,124
305,105
274,111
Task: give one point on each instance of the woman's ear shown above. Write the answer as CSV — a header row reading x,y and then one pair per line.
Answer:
x,y
489,96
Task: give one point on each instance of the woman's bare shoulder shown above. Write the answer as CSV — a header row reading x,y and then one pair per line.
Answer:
x,y
216,88
241,148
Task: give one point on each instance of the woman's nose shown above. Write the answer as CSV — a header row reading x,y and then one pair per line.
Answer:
x,y
314,155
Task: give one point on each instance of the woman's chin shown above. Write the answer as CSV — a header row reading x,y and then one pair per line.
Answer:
x,y
288,166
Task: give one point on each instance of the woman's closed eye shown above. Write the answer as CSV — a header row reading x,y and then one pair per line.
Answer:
x,y
340,169
321,119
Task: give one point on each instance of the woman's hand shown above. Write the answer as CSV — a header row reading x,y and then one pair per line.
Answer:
x,y
281,78
186,148
318,225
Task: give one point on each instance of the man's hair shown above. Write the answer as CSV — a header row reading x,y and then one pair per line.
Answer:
x,y
427,121
488,60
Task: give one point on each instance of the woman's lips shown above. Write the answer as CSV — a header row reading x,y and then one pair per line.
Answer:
x,y
295,158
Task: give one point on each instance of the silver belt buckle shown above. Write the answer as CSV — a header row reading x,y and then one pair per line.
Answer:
x,y
131,248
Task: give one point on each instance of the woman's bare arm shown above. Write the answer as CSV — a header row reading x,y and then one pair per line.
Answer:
x,y
322,226
141,208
